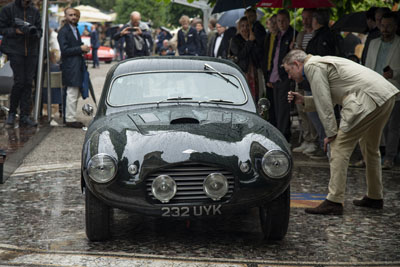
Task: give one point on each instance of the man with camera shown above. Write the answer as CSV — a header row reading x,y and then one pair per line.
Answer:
x,y
20,25
72,64
137,37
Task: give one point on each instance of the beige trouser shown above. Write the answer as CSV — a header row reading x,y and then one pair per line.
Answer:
x,y
368,132
71,103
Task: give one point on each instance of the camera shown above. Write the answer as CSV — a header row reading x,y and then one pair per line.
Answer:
x,y
134,29
26,27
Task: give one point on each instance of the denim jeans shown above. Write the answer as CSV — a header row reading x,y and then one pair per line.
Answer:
x,y
314,118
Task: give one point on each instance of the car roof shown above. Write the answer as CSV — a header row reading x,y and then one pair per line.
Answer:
x,y
170,63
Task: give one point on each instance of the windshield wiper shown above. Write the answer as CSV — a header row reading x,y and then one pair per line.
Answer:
x,y
174,98
216,101
208,67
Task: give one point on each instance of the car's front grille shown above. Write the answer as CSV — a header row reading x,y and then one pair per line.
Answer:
x,y
189,179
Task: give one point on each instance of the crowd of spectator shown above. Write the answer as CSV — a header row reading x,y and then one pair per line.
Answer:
x,y
259,52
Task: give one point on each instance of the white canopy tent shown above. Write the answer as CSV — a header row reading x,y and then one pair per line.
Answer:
x,y
91,14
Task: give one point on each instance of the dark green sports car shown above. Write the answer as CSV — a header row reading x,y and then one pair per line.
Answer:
x,y
181,137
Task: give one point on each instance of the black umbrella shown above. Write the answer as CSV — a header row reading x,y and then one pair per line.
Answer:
x,y
224,5
91,91
353,22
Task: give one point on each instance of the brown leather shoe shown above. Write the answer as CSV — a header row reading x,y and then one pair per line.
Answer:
x,y
75,124
369,203
327,208
387,164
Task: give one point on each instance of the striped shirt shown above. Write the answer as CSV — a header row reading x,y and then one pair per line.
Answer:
x,y
307,37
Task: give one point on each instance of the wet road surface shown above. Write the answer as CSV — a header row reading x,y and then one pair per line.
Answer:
x,y
42,222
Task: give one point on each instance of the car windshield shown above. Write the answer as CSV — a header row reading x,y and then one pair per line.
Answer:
x,y
175,87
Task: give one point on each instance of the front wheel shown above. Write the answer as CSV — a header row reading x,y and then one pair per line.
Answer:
x,y
274,216
98,217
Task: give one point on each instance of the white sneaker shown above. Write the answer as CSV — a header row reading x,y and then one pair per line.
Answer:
x,y
301,148
310,148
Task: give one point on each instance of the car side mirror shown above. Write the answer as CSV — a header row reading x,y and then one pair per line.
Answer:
x,y
87,109
263,105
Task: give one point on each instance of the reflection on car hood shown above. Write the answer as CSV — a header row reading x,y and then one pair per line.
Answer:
x,y
184,119
183,124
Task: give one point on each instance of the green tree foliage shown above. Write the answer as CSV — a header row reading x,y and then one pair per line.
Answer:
x,y
175,11
106,5
151,10
341,8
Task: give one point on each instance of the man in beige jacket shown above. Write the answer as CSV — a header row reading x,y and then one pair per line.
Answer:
x,y
367,100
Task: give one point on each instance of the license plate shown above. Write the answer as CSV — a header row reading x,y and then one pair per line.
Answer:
x,y
191,211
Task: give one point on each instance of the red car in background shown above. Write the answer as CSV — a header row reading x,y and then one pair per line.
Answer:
x,y
104,53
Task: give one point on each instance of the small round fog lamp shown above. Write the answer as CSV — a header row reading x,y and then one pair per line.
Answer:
x,y
163,188
215,186
133,169
244,167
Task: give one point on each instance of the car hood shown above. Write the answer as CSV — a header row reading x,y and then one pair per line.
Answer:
x,y
165,136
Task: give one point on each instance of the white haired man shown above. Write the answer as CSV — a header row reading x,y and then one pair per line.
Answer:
x,y
367,100
137,37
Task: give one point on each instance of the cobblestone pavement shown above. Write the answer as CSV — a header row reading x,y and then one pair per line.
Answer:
x,y
42,221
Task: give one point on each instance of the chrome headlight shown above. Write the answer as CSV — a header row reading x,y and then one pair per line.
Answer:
x,y
275,164
163,188
215,186
102,168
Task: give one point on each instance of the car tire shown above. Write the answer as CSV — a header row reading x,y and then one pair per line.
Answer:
x,y
98,218
274,216
108,61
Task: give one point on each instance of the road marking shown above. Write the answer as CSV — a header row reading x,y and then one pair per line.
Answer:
x,y
306,200
16,256
26,170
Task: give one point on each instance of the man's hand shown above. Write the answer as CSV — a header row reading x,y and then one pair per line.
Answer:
x,y
388,74
124,31
18,31
296,97
85,48
327,140
137,31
